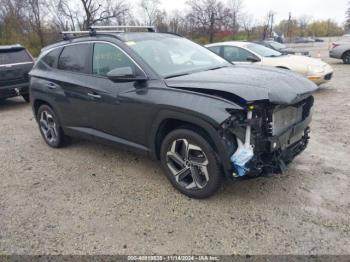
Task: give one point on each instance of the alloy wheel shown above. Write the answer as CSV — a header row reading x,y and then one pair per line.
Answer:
x,y
48,126
188,164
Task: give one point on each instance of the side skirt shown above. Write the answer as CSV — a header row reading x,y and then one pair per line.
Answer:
x,y
106,139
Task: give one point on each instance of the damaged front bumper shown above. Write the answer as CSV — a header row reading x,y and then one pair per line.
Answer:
x,y
266,152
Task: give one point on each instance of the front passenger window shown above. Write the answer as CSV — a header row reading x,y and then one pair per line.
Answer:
x,y
107,57
236,54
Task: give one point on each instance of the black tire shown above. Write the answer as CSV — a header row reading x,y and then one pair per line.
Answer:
x,y
346,58
59,136
26,98
213,169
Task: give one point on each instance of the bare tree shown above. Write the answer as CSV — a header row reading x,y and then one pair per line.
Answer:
x,y
207,16
235,7
248,24
151,10
268,24
347,22
35,10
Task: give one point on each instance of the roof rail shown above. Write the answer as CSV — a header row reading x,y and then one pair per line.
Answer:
x,y
149,28
95,29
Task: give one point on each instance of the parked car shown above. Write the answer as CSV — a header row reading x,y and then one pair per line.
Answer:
x,y
341,50
304,40
15,63
202,117
283,48
248,53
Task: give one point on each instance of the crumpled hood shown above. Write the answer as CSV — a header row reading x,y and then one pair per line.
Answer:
x,y
251,83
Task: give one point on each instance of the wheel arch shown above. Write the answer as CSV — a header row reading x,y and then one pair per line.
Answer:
x,y
169,121
345,53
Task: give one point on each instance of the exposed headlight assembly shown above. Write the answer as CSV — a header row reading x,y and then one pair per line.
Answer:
x,y
315,69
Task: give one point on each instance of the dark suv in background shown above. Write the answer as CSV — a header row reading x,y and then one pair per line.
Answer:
x,y
15,63
283,48
163,95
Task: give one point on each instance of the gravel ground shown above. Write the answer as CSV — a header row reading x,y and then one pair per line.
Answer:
x,y
92,199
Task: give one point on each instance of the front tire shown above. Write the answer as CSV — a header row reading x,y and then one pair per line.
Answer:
x,y
346,58
49,127
191,164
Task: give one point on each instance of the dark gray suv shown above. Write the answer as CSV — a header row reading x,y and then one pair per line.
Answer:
x,y
165,96
15,64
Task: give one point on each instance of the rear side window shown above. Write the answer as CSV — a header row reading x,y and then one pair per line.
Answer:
x,y
14,56
236,54
107,57
51,58
215,49
74,58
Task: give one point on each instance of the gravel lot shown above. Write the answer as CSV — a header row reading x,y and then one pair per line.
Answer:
x,y
92,199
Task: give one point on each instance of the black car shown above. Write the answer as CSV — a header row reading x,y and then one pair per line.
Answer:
x,y
15,64
162,95
283,49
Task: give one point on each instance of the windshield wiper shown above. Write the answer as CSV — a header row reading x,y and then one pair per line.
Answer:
x,y
218,67
176,75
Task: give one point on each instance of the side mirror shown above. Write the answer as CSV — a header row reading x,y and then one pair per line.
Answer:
x,y
124,74
253,59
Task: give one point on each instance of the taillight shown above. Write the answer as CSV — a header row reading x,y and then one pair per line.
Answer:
x,y
334,45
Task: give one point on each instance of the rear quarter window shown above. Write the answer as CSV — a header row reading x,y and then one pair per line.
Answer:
x,y
75,58
51,58
14,57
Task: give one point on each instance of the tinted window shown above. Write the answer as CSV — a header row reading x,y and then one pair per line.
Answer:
x,y
14,56
215,49
107,57
236,54
74,58
263,51
51,58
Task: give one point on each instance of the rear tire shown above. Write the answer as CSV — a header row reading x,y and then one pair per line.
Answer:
x,y
49,127
191,164
346,58
26,98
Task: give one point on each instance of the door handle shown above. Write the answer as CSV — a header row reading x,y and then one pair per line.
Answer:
x,y
51,86
96,96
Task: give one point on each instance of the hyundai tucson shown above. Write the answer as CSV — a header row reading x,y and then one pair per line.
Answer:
x,y
162,95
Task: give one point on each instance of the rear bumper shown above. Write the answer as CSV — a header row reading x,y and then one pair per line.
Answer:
x,y
14,90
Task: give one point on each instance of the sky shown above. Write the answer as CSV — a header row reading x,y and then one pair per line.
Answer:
x,y
317,9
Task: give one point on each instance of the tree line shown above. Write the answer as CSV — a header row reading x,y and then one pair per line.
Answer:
x,y
36,23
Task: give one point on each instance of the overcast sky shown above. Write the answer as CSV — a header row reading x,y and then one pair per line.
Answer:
x,y
318,9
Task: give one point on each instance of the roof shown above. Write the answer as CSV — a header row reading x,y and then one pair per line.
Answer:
x,y
233,43
11,47
122,36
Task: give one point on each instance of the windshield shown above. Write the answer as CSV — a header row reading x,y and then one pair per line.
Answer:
x,y
14,56
172,56
277,45
263,51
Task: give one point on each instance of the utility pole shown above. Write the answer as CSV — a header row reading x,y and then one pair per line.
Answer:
x,y
289,27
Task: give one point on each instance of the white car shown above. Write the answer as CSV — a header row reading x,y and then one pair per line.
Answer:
x,y
247,53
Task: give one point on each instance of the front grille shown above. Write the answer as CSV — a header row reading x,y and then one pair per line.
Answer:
x,y
328,76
